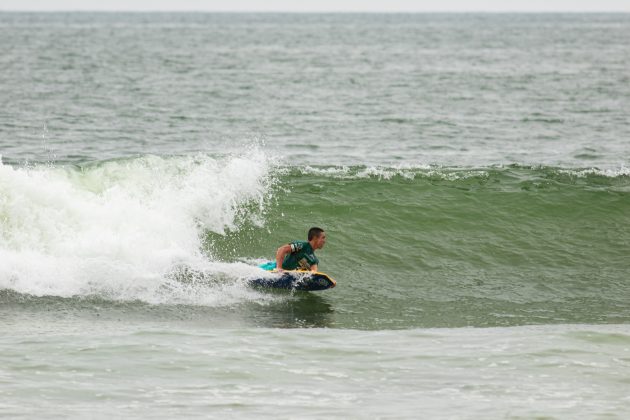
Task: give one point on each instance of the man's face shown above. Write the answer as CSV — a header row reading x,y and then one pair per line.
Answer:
x,y
320,241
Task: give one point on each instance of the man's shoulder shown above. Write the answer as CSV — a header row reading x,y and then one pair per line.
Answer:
x,y
299,245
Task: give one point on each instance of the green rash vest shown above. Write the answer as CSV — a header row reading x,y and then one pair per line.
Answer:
x,y
302,256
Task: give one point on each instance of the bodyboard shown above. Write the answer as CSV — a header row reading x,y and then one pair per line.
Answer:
x,y
294,280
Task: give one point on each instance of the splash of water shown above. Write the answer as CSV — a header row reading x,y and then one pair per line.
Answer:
x,y
128,229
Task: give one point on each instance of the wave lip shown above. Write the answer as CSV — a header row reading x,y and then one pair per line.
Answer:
x,y
619,177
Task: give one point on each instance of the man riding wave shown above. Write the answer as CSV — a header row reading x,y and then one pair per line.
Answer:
x,y
299,255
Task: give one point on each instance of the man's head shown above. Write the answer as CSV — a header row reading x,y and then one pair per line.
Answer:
x,y
317,237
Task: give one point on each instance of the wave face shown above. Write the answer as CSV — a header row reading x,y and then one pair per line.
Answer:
x,y
436,246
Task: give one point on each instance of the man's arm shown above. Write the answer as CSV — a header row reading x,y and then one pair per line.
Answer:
x,y
280,254
314,267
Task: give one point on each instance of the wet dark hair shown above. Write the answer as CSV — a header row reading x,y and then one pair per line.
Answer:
x,y
314,232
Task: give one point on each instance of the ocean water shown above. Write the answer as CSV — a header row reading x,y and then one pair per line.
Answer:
x,y
472,173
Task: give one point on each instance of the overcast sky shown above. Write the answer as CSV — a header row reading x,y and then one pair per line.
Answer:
x,y
323,5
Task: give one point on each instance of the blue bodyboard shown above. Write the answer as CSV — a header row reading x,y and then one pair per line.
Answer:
x,y
293,280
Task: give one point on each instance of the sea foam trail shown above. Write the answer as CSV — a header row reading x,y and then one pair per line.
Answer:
x,y
124,229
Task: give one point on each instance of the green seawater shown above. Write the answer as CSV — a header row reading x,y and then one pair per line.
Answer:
x,y
471,171
447,248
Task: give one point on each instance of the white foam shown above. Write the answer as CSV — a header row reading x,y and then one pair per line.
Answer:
x,y
406,171
123,229
411,171
608,173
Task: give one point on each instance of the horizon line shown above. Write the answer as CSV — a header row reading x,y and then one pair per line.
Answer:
x,y
314,11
